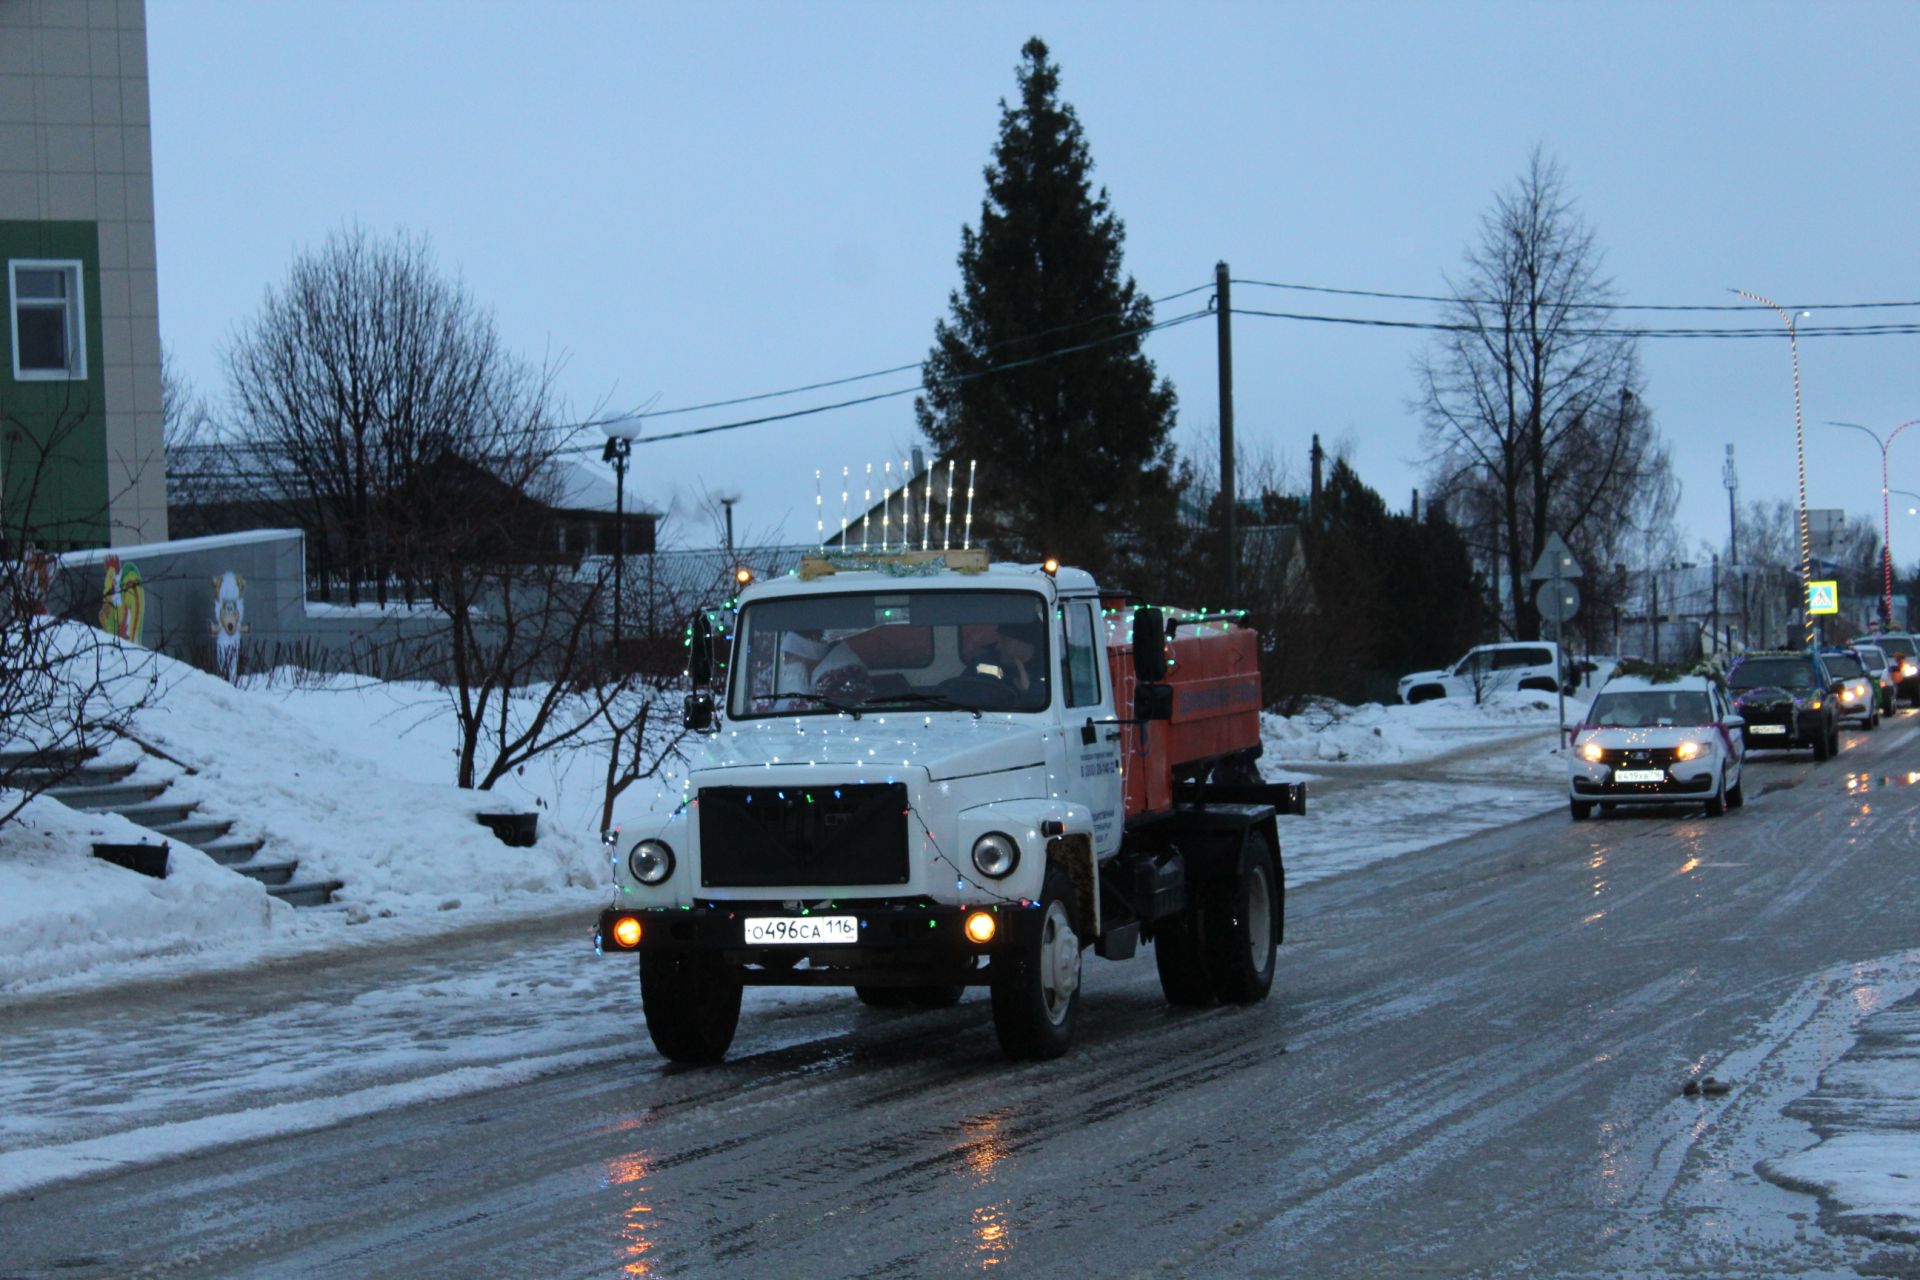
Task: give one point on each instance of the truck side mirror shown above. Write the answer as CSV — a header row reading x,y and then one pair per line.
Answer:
x,y
700,661
697,713
1149,645
1153,702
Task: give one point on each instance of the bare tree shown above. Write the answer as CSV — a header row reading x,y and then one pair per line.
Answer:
x,y
1534,407
367,369
66,687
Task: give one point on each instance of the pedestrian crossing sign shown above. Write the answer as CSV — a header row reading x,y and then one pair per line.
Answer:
x,y
1823,597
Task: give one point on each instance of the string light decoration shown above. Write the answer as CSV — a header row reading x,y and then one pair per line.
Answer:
x,y
926,516
966,540
1800,460
946,533
886,504
819,514
866,514
845,472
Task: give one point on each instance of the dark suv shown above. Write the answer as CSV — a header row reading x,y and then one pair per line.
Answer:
x,y
1903,662
1787,701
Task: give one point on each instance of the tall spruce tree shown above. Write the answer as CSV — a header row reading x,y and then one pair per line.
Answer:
x,y
1073,449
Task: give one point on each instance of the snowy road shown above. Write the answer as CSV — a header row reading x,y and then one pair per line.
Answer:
x,y
1471,1065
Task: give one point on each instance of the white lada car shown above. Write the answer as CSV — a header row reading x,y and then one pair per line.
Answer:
x,y
1647,741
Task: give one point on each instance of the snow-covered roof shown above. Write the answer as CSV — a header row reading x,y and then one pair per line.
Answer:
x,y
1643,684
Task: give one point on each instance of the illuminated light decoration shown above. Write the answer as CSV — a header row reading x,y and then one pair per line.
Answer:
x,y
946,530
981,926
966,534
845,489
886,504
743,575
626,932
1050,566
1800,455
926,515
819,514
906,505
866,515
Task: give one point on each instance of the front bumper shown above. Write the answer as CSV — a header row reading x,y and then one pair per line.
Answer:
x,y
1597,789
899,943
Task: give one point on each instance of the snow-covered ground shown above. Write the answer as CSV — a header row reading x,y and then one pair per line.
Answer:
x,y
354,778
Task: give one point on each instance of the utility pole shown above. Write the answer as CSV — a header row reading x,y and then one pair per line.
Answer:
x,y
620,438
1716,606
1656,613
1223,300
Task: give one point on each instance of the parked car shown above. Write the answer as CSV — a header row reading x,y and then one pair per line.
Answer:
x,y
1787,701
1859,694
1491,668
1650,740
1874,659
1903,656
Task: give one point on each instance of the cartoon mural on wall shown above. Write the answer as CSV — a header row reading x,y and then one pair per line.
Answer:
x,y
37,571
123,601
229,624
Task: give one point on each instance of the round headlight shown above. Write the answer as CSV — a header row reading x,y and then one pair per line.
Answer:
x,y
1593,751
996,855
651,862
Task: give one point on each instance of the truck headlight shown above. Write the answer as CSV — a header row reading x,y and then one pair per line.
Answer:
x,y
996,855
651,862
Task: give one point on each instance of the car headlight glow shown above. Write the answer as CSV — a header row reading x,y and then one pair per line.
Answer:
x,y
1592,751
651,861
996,855
1690,750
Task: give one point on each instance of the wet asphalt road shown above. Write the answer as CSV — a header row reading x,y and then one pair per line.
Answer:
x,y
1471,1065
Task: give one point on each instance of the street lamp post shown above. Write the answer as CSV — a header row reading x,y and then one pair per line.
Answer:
x,y
620,438
1800,457
1886,513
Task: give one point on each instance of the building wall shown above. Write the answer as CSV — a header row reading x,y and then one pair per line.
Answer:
x,y
76,182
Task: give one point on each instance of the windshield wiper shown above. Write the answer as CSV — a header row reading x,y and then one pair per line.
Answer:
x,y
822,699
921,699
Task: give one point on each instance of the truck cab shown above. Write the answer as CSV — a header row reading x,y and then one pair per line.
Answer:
x,y
910,775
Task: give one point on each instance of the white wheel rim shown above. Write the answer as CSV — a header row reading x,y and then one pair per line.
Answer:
x,y
1259,918
1059,963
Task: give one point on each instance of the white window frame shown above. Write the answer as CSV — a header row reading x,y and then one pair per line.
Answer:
x,y
76,309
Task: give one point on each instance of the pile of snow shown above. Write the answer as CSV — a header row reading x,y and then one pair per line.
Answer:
x,y
355,796
1328,732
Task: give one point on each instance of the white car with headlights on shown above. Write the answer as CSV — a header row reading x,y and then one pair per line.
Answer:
x,y
1655,740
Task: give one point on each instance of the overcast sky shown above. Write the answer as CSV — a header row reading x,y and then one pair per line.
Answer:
x,y
691,203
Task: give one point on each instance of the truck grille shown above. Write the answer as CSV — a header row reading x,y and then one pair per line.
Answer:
x,y
762,837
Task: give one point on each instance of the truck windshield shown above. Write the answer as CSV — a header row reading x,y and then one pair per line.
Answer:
x,y
966,651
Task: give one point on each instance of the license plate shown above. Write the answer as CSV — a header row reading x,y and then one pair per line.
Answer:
x,y
809,931
1766,728
1639,775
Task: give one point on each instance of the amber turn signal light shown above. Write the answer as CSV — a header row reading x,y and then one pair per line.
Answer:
x,y
981,926
626,931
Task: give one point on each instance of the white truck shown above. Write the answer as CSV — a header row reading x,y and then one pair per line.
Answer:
x,y
919,772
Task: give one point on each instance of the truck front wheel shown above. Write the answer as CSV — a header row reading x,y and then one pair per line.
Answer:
x,y
1035,1002
692,1005
1239,920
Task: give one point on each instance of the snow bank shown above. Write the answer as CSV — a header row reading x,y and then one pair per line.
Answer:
x,y
1328,732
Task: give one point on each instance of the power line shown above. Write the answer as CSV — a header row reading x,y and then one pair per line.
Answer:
x,y
923,385
902,368
1435,326
1592,306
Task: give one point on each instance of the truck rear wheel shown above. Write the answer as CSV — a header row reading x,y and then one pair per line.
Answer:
x,y
1239,921
1182,961
692,1005
1034,1004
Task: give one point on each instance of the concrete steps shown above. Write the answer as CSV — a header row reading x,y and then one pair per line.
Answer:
x,y
80,784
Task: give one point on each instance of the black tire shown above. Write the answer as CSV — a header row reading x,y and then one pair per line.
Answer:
x,y
1717,802
1035,1003
1240,926
1581,809
1236,771
1182,962
1607,807
882,997
1425,693
1822,747
1736,794
1873,721
692,1005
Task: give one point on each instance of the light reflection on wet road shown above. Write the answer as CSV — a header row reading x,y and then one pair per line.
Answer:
x,y
1471,1065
